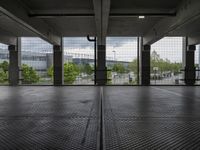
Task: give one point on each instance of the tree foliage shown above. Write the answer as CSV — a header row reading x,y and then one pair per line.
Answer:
x,y
133,66
29,74
4,65
3,71
50,72
86,68
163,65
71,71
3,76
119,68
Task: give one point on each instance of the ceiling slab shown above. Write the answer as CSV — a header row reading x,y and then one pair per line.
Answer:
x,y
51,19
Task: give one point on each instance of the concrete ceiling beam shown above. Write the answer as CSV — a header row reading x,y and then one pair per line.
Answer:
x,y
187,12
113,13
7,38
194,40
19,13
101,10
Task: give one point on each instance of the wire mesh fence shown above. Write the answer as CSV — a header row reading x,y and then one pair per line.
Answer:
x,y
167,61
122,60
78,61
36,61
4,64
197,64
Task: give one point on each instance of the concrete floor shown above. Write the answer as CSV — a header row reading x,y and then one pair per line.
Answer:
x,y
47,117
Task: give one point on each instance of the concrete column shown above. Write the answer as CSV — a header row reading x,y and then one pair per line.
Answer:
x,y
101,73
13,65
190,73
58,65
144,63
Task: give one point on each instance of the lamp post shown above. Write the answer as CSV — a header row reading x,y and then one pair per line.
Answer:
x,y
114,55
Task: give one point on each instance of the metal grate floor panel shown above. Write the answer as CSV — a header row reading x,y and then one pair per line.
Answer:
x,y
152,118
49,118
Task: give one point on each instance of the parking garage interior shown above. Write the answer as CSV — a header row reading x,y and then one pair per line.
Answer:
x,y
99,74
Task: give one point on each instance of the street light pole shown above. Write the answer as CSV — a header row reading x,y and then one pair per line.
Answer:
x,y
114,55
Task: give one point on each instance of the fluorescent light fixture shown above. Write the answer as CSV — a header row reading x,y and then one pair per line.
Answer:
x,y
141,17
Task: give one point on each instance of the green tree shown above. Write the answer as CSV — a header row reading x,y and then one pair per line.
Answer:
x,y
133,66
164,65
29,74
88,69
3,76
3,71
71,71
50,72
119,68
4,65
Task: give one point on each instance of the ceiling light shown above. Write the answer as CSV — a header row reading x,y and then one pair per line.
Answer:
x,y
141,17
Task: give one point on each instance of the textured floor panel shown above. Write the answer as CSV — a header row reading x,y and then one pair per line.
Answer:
x,y
152,134
152,118
47,133
48,118
153,102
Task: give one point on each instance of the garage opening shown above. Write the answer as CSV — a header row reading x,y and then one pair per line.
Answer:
x,y
4,64
197,64
122,60
36,61
78,61
166,61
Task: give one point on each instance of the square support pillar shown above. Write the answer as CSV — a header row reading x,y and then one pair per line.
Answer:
x,y
101,72
13,65
190,70
144,63
58,75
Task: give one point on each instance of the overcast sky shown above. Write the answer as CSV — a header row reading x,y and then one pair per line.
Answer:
x,y
120,48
